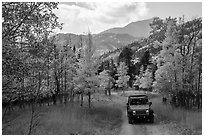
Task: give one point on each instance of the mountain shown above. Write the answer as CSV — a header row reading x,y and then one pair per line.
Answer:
x,y
137,29
102,42
109,40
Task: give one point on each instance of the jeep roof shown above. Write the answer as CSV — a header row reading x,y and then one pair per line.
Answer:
x,y
138,96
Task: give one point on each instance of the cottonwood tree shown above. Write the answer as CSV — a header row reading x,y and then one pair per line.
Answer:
x,y
105,81
137,82
123,78
25,29
86,80
166,61
176,61
146,80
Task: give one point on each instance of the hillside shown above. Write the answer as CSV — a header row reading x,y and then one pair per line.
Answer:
x,y
102,42
109,40
137,29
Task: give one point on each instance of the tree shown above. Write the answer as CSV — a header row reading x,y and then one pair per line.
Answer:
x,y
146,80
145,59
105,81
123,78
26,27
137,82
126,57
158,29
167,65
86,80
175,61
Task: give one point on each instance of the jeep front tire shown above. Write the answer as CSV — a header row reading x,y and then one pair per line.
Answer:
x,y
130,121
151,120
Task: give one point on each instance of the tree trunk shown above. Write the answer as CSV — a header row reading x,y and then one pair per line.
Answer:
x,y
57,91
54,98
48,100
65,82
106,91
35,98
31,120
109,88
89,97
198,90
61,83
48,81
82,98
65,98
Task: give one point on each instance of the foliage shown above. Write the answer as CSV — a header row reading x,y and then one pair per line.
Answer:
x,y
145,59
105,79
86,80
178,59
123,78
137,81
26,27
158,29
146,80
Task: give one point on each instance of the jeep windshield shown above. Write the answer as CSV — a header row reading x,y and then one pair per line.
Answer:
x,y
139,101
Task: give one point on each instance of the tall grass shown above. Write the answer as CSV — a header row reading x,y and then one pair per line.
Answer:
x,y
71,119
187,118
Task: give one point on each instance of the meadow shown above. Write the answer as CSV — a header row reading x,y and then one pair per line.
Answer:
x,y
104,117
70,119
190,120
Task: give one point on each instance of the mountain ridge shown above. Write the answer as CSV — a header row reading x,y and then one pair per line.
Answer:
x,y
137,29
110,39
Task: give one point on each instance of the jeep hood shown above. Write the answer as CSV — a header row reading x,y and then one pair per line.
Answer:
x,y
135,107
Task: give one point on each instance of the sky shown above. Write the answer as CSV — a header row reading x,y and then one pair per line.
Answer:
x,y
79,17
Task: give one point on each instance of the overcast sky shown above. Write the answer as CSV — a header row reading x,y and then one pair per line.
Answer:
x,y
99,16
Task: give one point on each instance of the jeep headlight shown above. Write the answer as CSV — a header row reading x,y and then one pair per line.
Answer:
x,y
134,111
147,111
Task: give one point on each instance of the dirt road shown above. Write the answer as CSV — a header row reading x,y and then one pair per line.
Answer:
x,y
146,128
159,127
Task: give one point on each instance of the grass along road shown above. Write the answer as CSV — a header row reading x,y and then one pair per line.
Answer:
x,y
103,118
144,127
168,121
106,117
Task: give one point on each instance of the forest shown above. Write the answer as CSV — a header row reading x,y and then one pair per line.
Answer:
x,y
37,72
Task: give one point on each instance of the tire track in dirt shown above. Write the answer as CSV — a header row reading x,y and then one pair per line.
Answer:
x,y
129,129
145,128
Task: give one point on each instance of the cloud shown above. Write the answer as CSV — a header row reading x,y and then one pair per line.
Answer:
x,y
98,16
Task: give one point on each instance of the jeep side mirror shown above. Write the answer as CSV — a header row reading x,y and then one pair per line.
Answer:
x,y
150,103
127,104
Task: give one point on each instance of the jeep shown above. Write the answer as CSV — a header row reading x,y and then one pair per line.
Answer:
x,y
139,107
